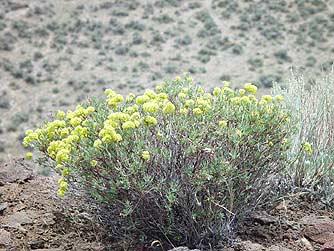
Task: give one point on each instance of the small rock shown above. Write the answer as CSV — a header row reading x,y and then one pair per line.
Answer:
x,y
277,248
263,217
35,244
321,233
314,219
17,219
5,239
3,206
305,242
250,246
50,249
14,172
328,246
183,249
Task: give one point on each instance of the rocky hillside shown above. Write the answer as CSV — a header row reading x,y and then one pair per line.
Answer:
x,y
32,217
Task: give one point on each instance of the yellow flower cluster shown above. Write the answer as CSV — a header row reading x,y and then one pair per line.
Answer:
x,y
145,155
250,88
122,118
307,147
59,137
62,187
113,99
28,155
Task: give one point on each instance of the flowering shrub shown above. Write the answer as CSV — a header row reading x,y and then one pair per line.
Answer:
x,y
175,164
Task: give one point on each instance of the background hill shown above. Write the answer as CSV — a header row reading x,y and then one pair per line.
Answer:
x,y
53,54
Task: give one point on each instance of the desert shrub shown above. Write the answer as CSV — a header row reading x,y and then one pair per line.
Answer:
x,y
312,114
177,164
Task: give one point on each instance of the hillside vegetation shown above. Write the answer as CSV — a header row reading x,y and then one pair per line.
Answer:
x,y
53,54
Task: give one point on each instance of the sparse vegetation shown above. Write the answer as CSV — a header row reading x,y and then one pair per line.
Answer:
x,y
54,54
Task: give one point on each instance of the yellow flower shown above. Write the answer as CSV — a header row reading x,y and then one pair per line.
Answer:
x,y
93,163
62,155
235,100
75,121
267,98
226,83
89,109
64,172
270,143
178,78
207,96
142,99
216,91
307,147
183,110
60,114
279,98
250,88
116,137
149,120
245,99
151,107
128,125
121,116
158,88
242,92
227,90
135,116
162,96
145,155
169,107
64,132
97,143
28,132
150,93
131,109
185,90
200,90
182,95
190,79
130,97
222,123
189,103
28,155
197,111
109,92
62,187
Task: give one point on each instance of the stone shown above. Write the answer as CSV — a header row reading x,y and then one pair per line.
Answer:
x,y
328,246
17,219
48,249
36,244
306,244
313,220
250,246
3,206
263,217
277,248
321,232
14,172
5,238
183,249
